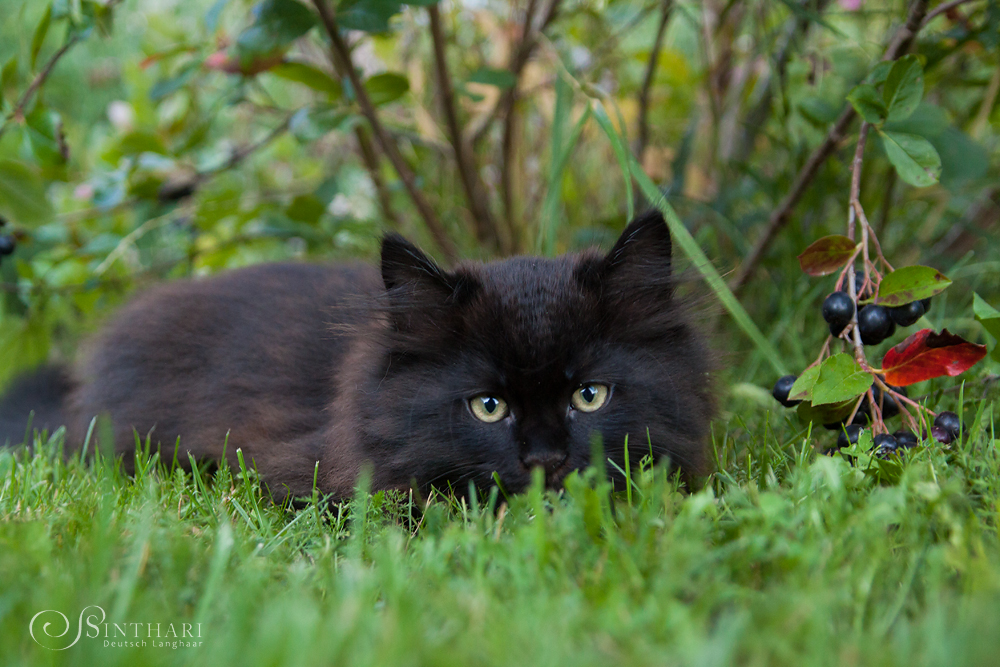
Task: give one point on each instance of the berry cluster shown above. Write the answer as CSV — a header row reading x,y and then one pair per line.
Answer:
x,y
7,242
947,429
875,323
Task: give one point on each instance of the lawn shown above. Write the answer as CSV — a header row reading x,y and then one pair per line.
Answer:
x,y
784,557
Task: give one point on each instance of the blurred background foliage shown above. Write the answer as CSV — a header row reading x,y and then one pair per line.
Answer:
x,y
148,140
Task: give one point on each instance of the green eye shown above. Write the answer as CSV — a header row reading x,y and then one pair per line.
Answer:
x,y
590,397
488,408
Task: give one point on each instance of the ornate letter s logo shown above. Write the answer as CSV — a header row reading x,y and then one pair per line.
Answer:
x,y
47,632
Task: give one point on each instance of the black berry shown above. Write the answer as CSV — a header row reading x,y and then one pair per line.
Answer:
x,y
884,445
836,330
927,304
905,439
781,389
874,324
838,309
907,315
848,436
7,245
950,422
942,435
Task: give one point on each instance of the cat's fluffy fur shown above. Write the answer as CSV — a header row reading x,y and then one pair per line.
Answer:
x,y
303,364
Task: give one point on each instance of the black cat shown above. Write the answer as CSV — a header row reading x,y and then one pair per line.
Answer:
x,y
431,377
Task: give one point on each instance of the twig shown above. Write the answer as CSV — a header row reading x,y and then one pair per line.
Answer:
x,y
36,83
342,55
755,120
241,154
647,81
369,157
941,9
779,218
859,154
529,39
475,191
181,189
40,78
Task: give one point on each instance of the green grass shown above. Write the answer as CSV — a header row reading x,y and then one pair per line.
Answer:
x,y
785,557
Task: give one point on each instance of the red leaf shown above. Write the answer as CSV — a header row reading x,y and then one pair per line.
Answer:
x,y
926,355
827,255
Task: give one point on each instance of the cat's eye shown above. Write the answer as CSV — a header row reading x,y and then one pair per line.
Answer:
x,y
488,408
590,397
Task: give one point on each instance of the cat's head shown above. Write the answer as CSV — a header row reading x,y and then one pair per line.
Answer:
x,y
515,364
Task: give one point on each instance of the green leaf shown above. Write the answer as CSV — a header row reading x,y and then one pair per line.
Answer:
x,y
802,388
818,111
367,15
927,121
868,103
840,379
826,255
142,141
909,284
44,131
166,87
989,317
309,76
278,23
387,87
501,78
986,315
311,123
41,30
830,413
914,158
879,73
22,194
8,78
305,208
904,87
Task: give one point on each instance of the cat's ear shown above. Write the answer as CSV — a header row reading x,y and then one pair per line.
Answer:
x,y
417,280
404,264
639,261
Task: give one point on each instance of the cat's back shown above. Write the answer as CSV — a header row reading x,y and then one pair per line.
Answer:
x,y
252,352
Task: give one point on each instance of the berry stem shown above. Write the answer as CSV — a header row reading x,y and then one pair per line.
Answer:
x,y
886,389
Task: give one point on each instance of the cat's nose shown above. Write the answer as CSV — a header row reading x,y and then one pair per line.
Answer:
x,y
549,461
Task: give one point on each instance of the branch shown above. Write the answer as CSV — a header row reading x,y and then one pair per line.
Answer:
x,y
183,188
780,216
529,40
342,55
647,81
754,121
475,191
25,99
36,83
369,157
943,8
